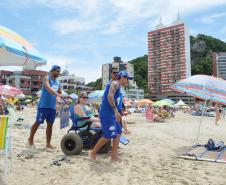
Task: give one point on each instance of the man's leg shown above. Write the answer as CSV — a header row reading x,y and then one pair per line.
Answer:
x,y
49,129
114,151
101,142
34,128
50,120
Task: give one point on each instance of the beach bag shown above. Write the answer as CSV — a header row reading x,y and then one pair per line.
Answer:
x,y
214,145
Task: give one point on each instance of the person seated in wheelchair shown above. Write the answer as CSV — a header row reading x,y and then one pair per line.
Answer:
x,y
81,110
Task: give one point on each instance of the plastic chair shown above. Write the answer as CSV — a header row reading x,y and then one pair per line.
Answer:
x,y
5,140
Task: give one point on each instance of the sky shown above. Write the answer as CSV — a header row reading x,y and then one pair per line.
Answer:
x,y
81,35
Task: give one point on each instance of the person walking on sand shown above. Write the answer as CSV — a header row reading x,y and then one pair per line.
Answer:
x,y
218,114
109,115
47,105
114,75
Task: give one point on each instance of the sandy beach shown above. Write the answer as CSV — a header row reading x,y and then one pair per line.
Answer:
x,y
149,158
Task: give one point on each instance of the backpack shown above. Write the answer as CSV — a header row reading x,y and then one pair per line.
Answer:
x,y
214,145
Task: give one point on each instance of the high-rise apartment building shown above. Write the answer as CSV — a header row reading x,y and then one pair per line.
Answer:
x,y
117,63
219,64
168,57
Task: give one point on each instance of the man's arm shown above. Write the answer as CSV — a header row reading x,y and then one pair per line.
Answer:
x,y
60,90
113,88
48,88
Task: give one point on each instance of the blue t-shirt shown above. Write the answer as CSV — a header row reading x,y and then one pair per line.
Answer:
x,y
48,100
106,110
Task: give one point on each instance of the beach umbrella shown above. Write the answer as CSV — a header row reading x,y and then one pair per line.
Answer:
x,y
95,96
16,51
145,102
20,96
9,90
203,87
162,103
169,100
74,96
27,101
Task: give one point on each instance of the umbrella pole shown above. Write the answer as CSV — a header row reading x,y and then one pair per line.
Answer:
x,y
198,133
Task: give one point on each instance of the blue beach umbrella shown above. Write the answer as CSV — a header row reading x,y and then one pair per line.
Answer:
x,y
16,51
96,96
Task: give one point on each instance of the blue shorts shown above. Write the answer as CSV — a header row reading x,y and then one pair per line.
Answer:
x,y
45,114
110,127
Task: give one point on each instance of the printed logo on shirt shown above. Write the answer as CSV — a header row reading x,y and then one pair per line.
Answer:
x,y
55,87
118,101
112,128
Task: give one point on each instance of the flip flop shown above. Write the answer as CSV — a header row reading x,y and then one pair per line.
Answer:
x,y
57,163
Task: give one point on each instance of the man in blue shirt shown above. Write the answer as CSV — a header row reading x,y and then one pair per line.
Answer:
x,y
109,115
47,105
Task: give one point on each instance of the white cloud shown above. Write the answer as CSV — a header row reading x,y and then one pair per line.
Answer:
x,y
137,10
67,26
113,16
211,18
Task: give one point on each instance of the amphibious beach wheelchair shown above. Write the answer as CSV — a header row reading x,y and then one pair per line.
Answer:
x,y
81,136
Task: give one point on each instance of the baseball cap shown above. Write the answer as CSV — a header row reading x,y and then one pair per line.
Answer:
x,y
125,74
55,67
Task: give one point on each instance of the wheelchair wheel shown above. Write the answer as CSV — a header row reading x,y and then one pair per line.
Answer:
x,y
104,149
71,144
86,138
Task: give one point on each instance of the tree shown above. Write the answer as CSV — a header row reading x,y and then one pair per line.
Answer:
x,y
97,85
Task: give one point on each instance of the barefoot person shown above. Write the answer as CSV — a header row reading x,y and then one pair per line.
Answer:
x,y
109,115
47,105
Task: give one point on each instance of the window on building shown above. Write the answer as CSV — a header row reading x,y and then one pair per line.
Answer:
x,y
21,81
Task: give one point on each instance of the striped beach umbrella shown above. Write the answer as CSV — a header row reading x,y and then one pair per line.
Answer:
x,y
9,90
203,87
16,51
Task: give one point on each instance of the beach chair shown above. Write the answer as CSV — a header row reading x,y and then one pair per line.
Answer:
x,y
5,140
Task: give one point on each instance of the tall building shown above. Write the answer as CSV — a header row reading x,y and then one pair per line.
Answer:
x,y
118,63
168,57
219,64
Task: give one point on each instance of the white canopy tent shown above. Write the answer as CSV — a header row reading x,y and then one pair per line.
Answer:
x,y
180,103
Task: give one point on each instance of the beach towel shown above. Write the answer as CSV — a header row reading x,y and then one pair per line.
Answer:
x,y
64,116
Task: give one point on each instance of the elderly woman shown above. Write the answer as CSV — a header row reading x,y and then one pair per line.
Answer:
x,y
82,110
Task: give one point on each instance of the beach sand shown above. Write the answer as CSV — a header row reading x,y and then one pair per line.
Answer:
x,y
149,158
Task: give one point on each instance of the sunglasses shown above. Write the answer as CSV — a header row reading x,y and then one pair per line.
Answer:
x,y
57,71
85,97
115,73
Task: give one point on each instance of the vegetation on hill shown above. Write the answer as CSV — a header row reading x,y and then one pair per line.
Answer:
x,y
201,48
97,85
141,71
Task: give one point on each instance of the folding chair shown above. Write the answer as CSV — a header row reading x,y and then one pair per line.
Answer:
x,y
5,140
